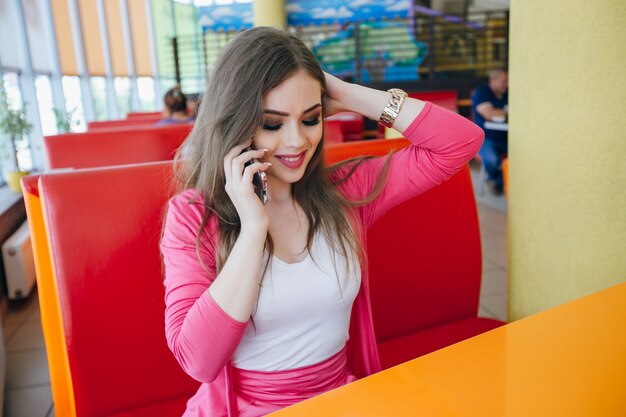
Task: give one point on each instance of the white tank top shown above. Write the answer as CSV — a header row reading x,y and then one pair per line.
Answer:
x,y
303,312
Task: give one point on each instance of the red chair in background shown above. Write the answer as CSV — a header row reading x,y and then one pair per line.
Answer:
x,y
121,124
352,125
446,99
332,131
114,147
140,115
424,265
103,230
337,152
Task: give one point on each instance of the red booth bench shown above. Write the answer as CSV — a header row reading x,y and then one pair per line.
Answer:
x,y
114,147
122,124
103,227
447,99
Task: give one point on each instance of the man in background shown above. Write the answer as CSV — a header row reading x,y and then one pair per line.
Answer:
x,y
490,103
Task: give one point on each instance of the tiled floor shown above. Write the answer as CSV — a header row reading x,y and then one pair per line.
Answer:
x,y
27,385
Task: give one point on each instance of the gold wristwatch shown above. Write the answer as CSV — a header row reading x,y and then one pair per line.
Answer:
x,y
393,107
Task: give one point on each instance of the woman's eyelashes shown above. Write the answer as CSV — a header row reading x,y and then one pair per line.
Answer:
x,y
271,126
314,121
276,125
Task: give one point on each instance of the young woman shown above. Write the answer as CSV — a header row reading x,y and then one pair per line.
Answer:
x,y
267,304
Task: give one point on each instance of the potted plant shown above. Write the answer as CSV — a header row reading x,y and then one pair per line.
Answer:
x,y
13,124
65,120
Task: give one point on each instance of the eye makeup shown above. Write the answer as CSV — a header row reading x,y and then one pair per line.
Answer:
x,y
274,125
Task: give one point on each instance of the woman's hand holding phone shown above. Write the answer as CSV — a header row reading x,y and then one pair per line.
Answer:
x,y
240,167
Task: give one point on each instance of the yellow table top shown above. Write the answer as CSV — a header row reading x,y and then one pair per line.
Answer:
x,y
566,361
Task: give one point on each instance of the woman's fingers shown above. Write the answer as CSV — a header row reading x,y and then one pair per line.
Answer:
x,y
239,162
240,167
239,185
233,153
252,169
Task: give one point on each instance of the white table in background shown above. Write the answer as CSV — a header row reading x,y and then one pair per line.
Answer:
x,y
496,126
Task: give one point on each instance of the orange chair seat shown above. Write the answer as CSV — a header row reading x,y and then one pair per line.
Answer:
x,y
401,349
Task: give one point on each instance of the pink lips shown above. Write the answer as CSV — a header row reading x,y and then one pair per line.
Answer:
x,y
291,161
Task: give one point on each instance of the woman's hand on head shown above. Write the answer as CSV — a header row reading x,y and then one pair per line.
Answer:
x,y
252,213
335,93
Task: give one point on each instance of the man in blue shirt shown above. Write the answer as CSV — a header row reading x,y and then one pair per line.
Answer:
x,y
490,103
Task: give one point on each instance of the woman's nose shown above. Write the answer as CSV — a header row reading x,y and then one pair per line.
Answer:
x,y
294,137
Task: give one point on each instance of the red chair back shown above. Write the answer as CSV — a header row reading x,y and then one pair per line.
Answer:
x,y
114,147
425,260
122,124
140,115
446,99
352,125
332,131
337,152
104,227
424,265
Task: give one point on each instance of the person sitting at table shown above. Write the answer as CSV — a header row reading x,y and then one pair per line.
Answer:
x,y
176,110
490,103
262,296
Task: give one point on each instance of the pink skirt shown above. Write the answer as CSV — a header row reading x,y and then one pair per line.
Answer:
x,y
260,393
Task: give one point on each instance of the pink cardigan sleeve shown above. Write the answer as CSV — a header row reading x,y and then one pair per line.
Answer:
x,y
442,142
201,335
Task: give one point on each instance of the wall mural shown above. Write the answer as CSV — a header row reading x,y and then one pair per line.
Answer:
x,y
306,12
388,51
238,15
234,16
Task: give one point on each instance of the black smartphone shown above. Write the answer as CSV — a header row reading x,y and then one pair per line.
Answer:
x,y
259,181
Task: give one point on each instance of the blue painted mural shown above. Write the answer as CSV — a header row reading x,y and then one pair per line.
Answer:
x,y
388,52
306,12
219,16
238,15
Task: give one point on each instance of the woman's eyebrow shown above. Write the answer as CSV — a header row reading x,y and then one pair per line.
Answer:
x,y
282,113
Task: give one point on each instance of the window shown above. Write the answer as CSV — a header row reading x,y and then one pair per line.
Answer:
x,y
14,96
74,103
145,89
122,94
99,94
43,89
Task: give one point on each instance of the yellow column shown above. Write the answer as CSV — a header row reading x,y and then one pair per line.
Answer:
x,y
567,148
269,13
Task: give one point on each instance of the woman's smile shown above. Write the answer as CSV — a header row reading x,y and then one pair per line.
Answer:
x,y
291,161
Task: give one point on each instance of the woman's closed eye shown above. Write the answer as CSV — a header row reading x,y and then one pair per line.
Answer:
x,y
313,121
274,125
271,126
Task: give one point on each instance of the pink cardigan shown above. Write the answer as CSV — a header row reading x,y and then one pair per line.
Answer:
x,y
203,337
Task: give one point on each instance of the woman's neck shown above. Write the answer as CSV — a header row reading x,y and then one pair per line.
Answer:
x,y
279,191
179,115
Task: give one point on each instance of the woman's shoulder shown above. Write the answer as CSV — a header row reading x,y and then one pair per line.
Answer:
x,y
189,200
187,206
351,177
190,196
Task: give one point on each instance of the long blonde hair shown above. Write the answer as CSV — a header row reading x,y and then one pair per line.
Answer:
x,y
252,64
